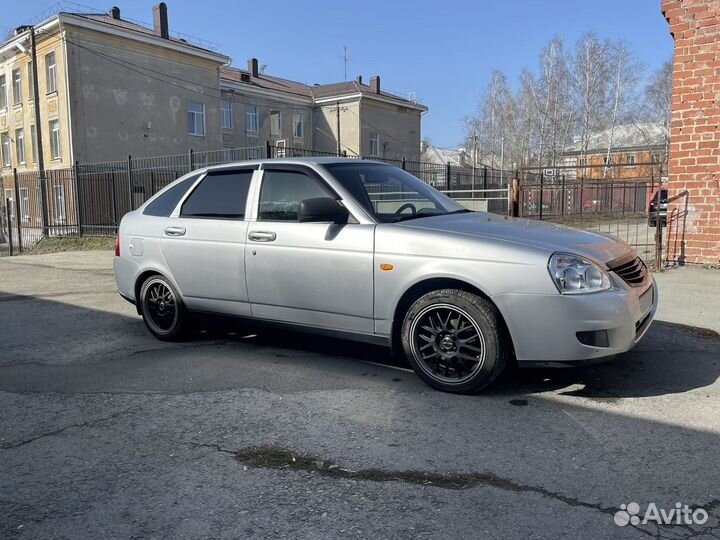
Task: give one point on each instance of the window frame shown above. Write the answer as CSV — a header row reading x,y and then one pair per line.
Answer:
x,y
307,171
20,146
276,115
50,73
195,114
3,92
6,149
375,138
24,203
31,81
33,142
251,112
226,114
16,86
60,214
298,121
178,212
55,146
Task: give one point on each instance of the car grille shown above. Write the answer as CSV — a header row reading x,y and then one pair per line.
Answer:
x,y
632,271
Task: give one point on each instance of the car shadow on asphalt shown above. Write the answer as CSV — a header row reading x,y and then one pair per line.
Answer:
x,y
672,358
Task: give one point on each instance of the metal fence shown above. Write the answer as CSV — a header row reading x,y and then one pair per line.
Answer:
x,y
90,199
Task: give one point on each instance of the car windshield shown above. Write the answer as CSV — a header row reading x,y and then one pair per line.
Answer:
x,y
391,194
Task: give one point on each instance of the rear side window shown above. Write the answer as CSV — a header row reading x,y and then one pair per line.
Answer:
x,y
220,195
282,192
163,205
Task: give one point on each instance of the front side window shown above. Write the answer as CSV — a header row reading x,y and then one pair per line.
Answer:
x,y
6,153
50,73
20,145
164,204
196,119
220,195
251,119
391,194
55,139
374,144
275,123
17,86
298,128
3,92
226,116
282,191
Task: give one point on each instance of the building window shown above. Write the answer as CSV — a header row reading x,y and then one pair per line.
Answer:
x,y
226,116
11,204
251,119
298,128
50,73
630,160
3,92
582,162
20,145
374,144
6,157
25,203
656,158
59,197
17,86
196,119
275,123
607,160
33,142
31,81
55,139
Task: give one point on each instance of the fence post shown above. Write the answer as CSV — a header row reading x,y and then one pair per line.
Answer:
x,y
78,197
658,232
17,209
562,198
541,195
129,181
9,226
582,188
111,178
484,178
268,150
514,195
191,161
447,177
403,164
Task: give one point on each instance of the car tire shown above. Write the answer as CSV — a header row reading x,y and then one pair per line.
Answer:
x,y
455,341
162,309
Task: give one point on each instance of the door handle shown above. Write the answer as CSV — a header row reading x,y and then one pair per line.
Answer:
x,y
262,236
175,231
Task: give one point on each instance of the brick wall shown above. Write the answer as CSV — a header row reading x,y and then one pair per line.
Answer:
x,y
693,233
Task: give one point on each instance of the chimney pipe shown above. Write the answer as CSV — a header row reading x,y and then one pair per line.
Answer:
x,y
253,67
359,79
160,20
115,13
375,84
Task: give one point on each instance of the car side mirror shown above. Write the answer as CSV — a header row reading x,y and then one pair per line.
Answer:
x,y
322,209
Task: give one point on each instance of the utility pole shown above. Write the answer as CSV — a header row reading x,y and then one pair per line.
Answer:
x,y
38,133
339,146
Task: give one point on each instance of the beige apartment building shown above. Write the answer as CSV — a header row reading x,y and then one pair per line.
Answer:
x,y
109,88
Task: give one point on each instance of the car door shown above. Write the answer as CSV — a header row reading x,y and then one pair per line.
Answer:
x,y
317,274
203,242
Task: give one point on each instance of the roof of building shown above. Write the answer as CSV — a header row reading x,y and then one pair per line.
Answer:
x,y
317,91
624,137
458,157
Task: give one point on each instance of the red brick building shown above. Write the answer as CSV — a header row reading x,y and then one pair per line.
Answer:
x,y
694,164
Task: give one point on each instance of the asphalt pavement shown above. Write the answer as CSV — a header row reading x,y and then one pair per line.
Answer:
x,y
107,432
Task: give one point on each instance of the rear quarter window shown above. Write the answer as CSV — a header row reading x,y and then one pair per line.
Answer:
x,y
163,205
220,195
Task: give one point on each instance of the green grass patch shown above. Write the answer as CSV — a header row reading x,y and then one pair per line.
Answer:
x,y
71,243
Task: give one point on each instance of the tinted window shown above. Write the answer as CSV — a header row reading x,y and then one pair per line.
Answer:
x,y
221,194
164,204
282,192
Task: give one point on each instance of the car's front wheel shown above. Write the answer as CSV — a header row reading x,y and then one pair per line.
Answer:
x,y
162,309
455,341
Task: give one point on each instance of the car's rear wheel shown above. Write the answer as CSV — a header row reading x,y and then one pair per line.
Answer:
x,y
455,341
162,309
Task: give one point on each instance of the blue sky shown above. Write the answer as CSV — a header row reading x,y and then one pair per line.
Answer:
x,y
442,51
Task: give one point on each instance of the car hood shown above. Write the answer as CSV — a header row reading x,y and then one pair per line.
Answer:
x,y
533,233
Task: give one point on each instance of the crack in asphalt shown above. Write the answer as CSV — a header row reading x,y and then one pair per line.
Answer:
x,y
17,444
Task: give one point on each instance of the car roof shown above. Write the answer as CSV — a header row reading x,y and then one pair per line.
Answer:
x,y
311,160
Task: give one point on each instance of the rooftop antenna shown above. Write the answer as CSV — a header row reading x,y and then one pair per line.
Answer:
x,y
345,58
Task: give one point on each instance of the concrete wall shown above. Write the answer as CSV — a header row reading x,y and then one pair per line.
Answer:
x,y
131,98
694,167
397,126
325,127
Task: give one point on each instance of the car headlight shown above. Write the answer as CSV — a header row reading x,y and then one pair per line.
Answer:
x,y
573,274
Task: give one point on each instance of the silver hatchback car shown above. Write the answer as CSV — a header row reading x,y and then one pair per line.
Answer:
x,y
366,251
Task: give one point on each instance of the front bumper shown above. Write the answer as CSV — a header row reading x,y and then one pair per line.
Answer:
x,y
544,327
